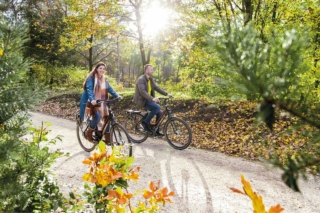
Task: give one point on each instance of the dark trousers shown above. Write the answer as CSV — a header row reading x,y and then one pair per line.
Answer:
x,y
154,110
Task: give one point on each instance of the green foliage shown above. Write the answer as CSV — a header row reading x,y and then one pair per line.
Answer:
x,y
15,94
24,182
68,77
276,64
273,71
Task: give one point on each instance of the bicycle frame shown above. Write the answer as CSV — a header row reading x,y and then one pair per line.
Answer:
x,y
166,113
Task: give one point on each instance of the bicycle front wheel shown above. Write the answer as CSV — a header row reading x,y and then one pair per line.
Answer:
x,y
178,133
81,135
135,129
120,137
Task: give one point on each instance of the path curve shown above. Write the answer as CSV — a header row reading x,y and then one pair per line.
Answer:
x,y
200,178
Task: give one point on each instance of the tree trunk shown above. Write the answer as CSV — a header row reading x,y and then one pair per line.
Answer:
x,y
248,10
118,61
144,59
90,58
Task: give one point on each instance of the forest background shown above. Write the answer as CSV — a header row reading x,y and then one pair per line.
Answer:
x,y
226,62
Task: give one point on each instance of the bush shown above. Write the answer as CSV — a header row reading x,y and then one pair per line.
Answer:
x,y
69,77
25,183
110,173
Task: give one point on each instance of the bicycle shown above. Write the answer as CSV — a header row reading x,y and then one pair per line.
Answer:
x,y
177,132
118,134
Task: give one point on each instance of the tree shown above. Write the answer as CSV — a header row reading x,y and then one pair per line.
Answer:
x,y
91,28
24,180
137,4
273,71
45,27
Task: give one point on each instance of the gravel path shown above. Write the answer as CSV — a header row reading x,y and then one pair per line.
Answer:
x,y
200,179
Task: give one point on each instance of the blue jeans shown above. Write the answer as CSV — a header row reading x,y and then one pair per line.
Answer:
x,y
95,121
154,110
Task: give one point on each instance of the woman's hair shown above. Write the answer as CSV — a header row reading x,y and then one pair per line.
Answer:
x,y
93,72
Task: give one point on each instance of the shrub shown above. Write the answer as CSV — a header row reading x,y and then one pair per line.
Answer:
x,y
110,173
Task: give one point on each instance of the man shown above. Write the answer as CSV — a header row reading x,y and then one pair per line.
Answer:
x,y
144,96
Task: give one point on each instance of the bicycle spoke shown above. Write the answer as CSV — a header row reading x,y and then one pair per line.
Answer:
x,y
84,143
119,137
135,129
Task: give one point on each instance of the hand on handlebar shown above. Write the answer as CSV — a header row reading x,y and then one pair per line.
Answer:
x,y
119,97
93,102
156,100
170,95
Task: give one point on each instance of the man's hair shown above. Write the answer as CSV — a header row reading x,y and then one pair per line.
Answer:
x,y
146,66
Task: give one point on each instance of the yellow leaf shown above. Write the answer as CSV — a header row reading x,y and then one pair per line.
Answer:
x,y
257,202
86,177
102,146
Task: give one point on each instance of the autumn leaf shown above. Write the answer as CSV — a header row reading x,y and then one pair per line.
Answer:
x,y
87,161
133,175
276,209
237,190
154,187
164,195
120,197
87,177
257,202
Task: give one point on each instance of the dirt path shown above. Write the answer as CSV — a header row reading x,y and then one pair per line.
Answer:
x,y
200,179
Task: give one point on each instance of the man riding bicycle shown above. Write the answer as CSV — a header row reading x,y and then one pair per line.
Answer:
x,y
144,96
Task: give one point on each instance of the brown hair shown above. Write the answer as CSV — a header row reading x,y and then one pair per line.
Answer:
x,y
146,66
92,73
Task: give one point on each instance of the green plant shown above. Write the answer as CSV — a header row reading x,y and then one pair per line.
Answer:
x,y
273,71
110,173
67,77
25,183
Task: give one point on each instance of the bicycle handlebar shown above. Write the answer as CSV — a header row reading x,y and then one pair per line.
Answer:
x,y
165,99
107,101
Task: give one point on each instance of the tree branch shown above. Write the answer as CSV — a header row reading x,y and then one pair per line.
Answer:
x,y
238,6
106,55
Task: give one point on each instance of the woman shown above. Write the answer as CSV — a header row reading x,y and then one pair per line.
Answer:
x,y
96,87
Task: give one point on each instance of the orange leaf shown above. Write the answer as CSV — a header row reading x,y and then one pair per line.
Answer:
x,y
87,161
153,186
276,209
147,194
112,194
237,190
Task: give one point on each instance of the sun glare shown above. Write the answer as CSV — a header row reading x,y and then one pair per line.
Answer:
x,y
155,19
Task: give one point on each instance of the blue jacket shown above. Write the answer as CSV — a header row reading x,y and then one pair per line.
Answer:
x,y
88,95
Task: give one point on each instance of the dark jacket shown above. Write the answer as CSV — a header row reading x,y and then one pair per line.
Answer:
x,y
141,92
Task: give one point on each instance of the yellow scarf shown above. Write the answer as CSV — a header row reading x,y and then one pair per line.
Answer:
x,y
149,87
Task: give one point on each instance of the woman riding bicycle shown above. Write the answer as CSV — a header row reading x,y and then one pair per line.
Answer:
x,y
96,87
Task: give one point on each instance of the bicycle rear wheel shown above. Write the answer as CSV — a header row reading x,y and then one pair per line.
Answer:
x,y
134,128
120,137
178,133
81,131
